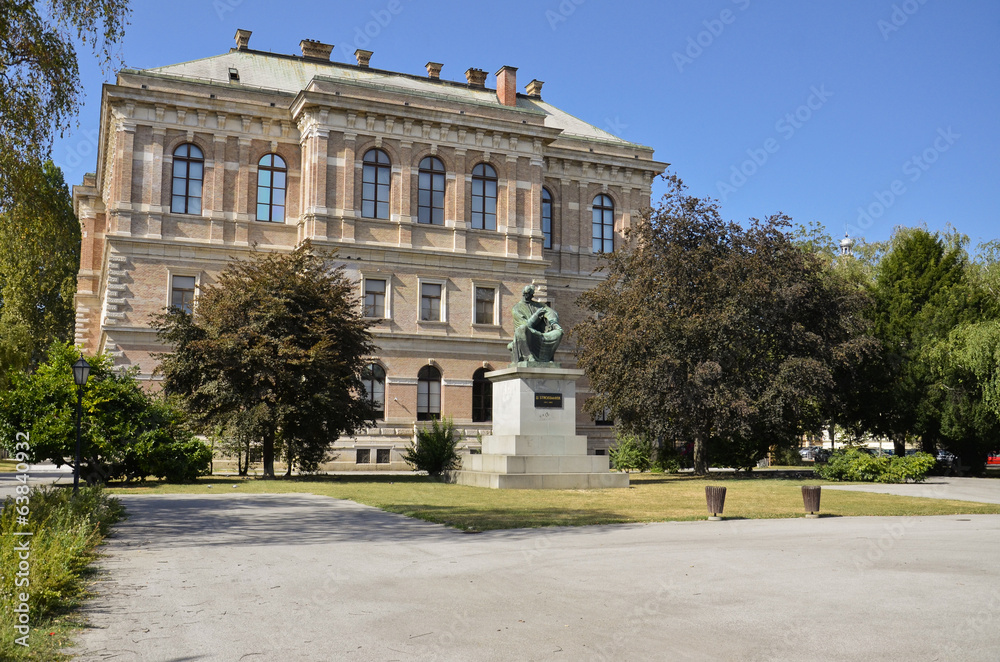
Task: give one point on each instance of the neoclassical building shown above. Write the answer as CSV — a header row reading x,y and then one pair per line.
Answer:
x,y
442,200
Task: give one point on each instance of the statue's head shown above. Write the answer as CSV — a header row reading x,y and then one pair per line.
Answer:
x,y
528,292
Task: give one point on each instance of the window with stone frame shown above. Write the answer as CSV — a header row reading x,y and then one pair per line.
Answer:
x,y
188,177
182,290
272,181
546,218
603,225
486,298
484,197
430,302
382,455
482,397
376,173
373,378
375,291
430,191
364,456
428,393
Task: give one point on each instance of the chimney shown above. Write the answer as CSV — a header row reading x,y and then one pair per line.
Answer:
x,y
364,57
534,88
507,85
476,77
242,39
315,49
434,69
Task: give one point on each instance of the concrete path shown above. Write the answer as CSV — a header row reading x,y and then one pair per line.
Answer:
x,y
983,490
288,578
38,474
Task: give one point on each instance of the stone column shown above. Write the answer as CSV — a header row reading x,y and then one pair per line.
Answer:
x,y
459,220
533,214
214,200
347,176
403,204
120,209
152,182
510,227
314,142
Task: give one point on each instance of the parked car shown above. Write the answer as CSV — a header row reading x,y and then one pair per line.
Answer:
x,y
946,458
993,460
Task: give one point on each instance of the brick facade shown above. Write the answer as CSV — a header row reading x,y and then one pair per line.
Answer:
x,y
321,118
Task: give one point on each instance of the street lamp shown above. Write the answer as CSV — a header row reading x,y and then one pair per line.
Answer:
x,y
81,372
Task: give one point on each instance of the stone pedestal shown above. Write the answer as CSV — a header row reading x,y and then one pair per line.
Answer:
x,y
534,444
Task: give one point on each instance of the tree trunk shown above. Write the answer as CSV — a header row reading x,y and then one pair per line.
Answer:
x,y
833,435
899,445
267,455
700,459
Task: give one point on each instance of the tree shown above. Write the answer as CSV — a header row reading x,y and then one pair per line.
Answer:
x,y
125,433
39,261
724,336
277,346
922,292
40,79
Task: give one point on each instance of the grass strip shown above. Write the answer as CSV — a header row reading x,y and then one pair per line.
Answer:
x,y
651,498
65,533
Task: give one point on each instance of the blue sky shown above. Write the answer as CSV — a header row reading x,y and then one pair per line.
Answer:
x,y
858,114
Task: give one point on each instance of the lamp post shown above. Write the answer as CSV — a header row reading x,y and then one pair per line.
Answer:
x,y
81,372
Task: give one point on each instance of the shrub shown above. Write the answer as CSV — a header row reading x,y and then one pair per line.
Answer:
x,y
787,456
434,449
65,532
631,453
668,459
854,465
124,429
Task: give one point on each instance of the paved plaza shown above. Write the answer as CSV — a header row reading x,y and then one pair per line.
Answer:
x,y
300,577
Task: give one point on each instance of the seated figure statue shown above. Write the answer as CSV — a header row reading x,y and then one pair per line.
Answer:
x,y
537,333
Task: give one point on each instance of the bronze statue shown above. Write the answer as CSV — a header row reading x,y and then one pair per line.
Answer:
x,y
537,333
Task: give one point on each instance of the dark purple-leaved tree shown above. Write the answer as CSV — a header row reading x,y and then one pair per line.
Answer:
x,y
726,336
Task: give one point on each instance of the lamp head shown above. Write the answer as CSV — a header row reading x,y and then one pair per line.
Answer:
x,y
81,371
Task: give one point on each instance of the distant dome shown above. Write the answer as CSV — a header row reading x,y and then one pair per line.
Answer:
x,y
846,245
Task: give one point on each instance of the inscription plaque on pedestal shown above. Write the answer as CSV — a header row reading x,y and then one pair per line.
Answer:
x,y
548,401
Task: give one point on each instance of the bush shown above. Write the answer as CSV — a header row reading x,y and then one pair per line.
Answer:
x,y
668,459
854,465
787,456
66,531
434,450
631,453
126,433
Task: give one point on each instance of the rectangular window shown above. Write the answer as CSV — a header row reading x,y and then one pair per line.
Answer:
x,y
485,305
182,293
374,298
382,456
430,302
364,456
604,418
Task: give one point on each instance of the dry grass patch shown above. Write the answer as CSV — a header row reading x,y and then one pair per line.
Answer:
x,y
652,498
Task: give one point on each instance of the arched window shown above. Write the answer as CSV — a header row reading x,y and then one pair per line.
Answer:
x,y
271,182
430,191
547,218
375,184
189,171
484,197
482,397
373,378
604,224
428,393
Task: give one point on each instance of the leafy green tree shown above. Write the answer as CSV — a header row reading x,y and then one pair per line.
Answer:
x,y
39,260
631,452
125,432
40,80
724,336
922,292
277,346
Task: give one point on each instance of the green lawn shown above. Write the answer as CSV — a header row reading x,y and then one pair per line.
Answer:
x,y
652,498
